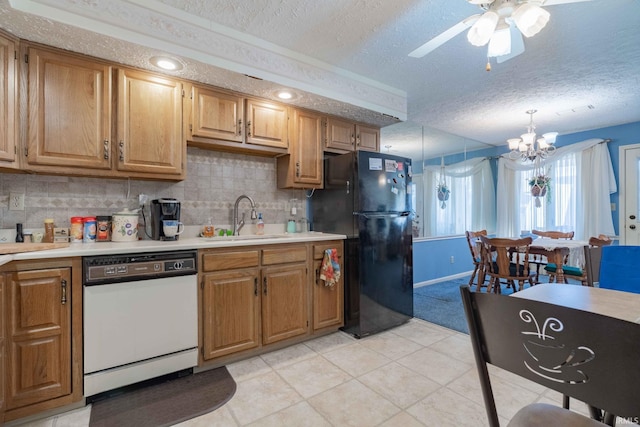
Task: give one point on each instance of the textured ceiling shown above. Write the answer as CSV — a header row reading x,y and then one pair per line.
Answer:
x,y
349,57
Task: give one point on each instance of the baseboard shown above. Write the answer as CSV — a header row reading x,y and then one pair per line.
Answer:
x,y
442,279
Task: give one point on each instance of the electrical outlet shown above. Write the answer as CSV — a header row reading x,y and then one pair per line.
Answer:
x,y
452,260
16,201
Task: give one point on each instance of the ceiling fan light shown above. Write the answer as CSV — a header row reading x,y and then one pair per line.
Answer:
x,y
480,33
500,43
550,137
530,19
514,143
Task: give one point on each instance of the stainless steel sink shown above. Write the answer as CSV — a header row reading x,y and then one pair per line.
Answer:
x,y
248,237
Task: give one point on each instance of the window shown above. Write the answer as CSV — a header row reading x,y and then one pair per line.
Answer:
x,y
471,202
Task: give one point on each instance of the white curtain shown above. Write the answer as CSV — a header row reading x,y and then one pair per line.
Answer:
x,y
588,202
471,204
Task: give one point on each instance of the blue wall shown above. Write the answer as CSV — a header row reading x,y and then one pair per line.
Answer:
x,y
431,257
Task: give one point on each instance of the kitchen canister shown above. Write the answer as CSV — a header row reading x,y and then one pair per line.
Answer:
x,y
124,226
77,229
89,231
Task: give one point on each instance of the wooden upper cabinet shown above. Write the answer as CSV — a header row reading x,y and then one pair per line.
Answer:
x,y
216,115
8,102
149,123
302,168
343,136
39,336
69,111
267,124
367,138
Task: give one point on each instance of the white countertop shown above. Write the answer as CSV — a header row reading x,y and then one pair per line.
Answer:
x,y
108,248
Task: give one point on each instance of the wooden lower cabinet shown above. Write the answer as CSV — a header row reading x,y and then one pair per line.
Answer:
x,y
231,312
328,302
43,339
2,348
258,297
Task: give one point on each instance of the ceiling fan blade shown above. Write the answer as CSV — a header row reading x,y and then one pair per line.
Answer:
x,y
556,2
444,37
517,45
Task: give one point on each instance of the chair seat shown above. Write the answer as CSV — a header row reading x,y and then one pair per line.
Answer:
x,y
567,269
545,415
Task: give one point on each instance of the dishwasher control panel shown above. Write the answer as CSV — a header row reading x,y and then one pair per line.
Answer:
x,y
104,269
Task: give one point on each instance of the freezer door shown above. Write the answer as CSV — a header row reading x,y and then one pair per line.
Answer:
x,y
383,183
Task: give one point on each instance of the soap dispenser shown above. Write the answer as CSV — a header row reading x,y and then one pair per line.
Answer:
x,y
260,225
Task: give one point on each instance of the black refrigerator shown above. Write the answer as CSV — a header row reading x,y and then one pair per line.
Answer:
x,y
367,197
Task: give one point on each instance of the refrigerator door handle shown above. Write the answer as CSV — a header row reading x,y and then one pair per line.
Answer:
x,y
382,214
348,186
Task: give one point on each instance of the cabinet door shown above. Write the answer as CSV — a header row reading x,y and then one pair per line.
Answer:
x,y
2,348
69,111
38,336
284,302
8,100
368,138
341,135
231,312
307,148
216,115
267,124
149,123
327,301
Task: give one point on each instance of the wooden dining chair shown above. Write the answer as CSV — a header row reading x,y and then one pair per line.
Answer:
x,y
586,356
579,273
539,260
474,249
506,260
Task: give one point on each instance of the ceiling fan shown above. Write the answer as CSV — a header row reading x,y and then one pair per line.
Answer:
x,y
501,26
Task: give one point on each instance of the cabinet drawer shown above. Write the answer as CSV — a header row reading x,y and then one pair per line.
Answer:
x,y
284,255
230,260
318,250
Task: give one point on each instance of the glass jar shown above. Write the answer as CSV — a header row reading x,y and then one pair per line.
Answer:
x,y
48,231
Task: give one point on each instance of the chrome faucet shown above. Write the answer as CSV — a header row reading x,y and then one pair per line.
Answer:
x,y
237,225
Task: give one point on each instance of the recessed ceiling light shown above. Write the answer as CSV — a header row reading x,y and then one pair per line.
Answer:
x,y
166,63
285,94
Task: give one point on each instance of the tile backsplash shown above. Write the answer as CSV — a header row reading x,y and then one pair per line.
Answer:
x,y
214,181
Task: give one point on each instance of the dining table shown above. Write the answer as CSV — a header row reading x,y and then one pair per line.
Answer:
x,y
557,250
607,302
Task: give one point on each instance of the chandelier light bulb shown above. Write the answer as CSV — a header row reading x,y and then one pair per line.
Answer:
x,y
525,147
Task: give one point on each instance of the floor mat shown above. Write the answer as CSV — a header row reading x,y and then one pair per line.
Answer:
x,y
166,403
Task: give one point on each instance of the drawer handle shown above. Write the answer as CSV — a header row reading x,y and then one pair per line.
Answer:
x,y
297,169
121,151
106,149
248,127
317,276
264,282
239,126
63,284
255,286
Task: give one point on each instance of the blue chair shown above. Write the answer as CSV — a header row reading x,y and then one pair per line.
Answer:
x,y
619,268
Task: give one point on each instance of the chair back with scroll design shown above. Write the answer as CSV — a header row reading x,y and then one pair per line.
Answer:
x,y
474,248
590,357
507,260
619,268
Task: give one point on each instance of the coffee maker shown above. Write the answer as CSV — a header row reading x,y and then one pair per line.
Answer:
x,y
163,209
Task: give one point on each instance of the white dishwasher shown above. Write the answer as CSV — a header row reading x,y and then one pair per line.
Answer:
x,y
140,317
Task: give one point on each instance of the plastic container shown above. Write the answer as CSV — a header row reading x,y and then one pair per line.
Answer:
x,y
90,228
48,231
77,229
291,226
103,230
208,230
260,225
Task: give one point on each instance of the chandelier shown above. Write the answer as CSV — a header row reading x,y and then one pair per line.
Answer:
x,y
527,147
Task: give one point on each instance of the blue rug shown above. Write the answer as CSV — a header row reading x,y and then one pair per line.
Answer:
x,y
440,303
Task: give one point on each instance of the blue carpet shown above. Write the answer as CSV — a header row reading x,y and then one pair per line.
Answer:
x,y
440,303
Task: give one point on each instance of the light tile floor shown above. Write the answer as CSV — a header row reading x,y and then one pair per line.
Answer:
x,y
418,374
